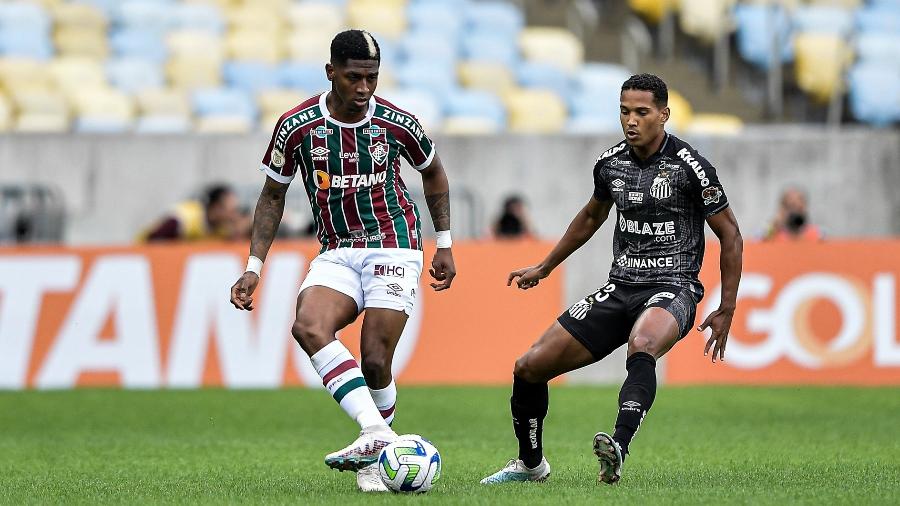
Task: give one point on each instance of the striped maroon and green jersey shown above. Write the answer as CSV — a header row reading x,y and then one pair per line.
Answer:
x,y
351,172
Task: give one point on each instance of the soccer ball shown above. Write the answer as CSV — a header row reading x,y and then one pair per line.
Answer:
x,y
409,464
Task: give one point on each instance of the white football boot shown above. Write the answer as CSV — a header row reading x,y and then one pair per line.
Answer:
x,y
368,479
362,452
609,455
516,470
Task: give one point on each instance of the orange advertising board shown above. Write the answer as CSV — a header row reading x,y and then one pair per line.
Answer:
x,y
159,316
807,313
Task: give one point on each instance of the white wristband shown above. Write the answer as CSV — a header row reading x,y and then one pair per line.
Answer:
x,y
443,239
254,265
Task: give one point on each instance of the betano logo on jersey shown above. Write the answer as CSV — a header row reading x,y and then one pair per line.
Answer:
x,y
685,155
325,181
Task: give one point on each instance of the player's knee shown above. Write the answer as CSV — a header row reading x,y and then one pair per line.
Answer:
x,y
644,344
376,369
310,335
525,370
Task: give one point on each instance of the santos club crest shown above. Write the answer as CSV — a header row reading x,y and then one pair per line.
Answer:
x,y
661,188
379,152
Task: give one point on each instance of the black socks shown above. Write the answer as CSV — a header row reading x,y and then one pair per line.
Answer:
x,y
635,398
529,403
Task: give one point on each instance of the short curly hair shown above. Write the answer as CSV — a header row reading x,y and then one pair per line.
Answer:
x,y
354,45
651,83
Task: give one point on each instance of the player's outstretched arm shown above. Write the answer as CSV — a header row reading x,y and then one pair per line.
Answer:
x,y
725,226
582,228
266,218
437,196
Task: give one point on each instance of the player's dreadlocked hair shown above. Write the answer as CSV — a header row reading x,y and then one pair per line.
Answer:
x,y
354,45
651,83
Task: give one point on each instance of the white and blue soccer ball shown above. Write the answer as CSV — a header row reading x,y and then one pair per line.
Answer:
x,y
409,464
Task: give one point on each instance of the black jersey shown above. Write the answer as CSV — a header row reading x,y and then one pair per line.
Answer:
x,y
662,204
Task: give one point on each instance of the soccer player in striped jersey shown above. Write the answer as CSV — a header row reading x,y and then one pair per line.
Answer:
x,y
346,145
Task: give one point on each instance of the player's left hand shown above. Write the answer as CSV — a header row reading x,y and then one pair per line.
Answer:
x,y
442,269
720,322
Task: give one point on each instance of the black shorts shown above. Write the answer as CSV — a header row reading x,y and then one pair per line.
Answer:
x,y
602,321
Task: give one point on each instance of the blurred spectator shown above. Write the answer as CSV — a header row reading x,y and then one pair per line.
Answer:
x,y
791,222
216,216
513,221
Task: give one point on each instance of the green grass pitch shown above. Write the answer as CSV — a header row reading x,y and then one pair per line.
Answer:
x,y
709,445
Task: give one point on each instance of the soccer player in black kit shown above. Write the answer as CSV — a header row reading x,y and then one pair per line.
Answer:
x,y
663,191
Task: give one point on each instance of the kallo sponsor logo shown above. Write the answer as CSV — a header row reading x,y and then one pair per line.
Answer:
x,y
685,155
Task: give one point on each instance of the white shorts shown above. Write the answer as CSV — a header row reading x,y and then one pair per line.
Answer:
x,y
383,277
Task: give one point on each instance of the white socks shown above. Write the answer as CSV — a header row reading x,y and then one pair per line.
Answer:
x,y
386,400
342,377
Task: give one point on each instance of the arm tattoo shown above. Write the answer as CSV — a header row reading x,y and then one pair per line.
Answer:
x,y
266,218
439,206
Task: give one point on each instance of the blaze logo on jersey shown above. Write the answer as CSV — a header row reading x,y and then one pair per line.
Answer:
x,y
323,182
661,188
319,154
379,152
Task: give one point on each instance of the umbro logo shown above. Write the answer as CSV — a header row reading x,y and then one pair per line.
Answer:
x,y
395,287
631,404
617,185
319,153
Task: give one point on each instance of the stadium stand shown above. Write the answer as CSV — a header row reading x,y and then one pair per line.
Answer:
x,y
439,53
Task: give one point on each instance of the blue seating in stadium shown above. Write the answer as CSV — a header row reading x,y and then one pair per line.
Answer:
x,y
879,47
139,43
601,78
435,18
223,101
491,47
303,76
133,74
823,19
434,77
474,103
878,19
146,15
499,17
197,17
543,75
421,103
420,46
24,16
251,77
756,34
875,93
25,43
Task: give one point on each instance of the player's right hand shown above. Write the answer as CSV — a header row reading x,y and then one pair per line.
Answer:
x,y
242,291
529,277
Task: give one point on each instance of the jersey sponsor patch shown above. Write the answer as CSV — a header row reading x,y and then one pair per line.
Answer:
x,y
685,155
277,158
711,195
321,132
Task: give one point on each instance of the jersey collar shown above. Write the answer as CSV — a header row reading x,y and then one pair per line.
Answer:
x,y
652,158
323,108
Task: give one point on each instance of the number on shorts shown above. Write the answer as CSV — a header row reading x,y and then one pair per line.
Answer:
x,y
606,290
